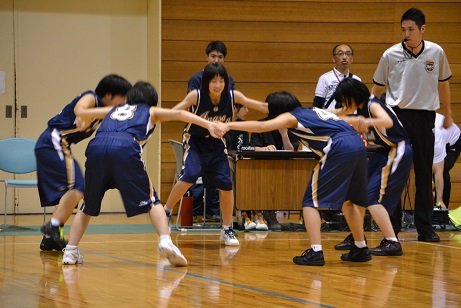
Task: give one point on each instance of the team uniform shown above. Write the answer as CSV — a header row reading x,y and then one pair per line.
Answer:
x,y
341,173
204,155
389,167
412,90
114,160
326,87
57,170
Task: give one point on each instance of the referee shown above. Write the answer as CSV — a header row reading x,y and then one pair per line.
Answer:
x,y
416,74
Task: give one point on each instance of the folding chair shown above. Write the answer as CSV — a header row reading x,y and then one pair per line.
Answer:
x,y
17,157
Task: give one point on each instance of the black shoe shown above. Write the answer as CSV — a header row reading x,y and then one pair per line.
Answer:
x,y
55,232
387,248
431,237
310,257
357,255
272,222
48,244
346,244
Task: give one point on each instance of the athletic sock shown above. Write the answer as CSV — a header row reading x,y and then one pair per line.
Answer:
x,y
55,222
394,239
316,248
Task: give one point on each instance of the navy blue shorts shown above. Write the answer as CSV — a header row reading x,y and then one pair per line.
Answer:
x,y
206,157
57,170
340,175
388,173
115,162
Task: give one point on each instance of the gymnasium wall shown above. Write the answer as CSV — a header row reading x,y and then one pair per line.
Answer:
x,y
286,45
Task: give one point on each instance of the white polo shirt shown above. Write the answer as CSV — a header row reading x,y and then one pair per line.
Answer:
x,y
327,84
412,80
443,136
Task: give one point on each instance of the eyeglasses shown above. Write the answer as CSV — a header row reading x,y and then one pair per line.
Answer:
x,y
341,53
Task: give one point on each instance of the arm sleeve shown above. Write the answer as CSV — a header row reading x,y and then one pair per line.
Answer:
x,y
319,102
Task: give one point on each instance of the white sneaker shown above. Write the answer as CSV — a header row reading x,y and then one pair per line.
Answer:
x,y
249,225
72,257
261,226
229,237
168,250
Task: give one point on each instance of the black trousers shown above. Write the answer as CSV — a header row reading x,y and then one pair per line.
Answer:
x,y
419,125
449,162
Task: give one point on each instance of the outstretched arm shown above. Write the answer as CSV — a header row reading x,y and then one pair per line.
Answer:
x,y
285,120
240,98
187,102
158,114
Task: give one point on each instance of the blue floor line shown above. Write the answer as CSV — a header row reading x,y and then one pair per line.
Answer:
x,y
221,281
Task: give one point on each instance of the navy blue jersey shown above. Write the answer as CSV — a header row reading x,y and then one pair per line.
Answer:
x,y
129,119
386,137
64,122
114,160
317,128
195,82
223,112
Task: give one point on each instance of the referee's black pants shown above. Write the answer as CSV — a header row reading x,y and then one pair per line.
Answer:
x,y
419,125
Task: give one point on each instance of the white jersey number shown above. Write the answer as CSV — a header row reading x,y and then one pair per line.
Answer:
x,y
123,113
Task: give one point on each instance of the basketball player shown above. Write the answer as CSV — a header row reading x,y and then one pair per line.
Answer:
x,y
416,73
205,156
60,179
114,160
389,167
338,181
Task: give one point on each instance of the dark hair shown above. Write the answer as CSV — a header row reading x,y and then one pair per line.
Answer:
x,y
142,92
281,102
112,84
211,71
334,48
416,15
216,46
349,90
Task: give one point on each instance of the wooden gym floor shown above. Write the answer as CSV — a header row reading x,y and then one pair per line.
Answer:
x,y
122,269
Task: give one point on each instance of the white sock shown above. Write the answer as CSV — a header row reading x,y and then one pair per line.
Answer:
x,y
225,227
360,244
316,248
394,239
55,222
71,247
165,237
